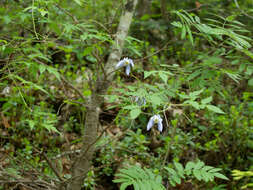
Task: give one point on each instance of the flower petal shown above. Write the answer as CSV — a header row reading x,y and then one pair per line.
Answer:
x,y
131,62
128,68
144,101
158,116
120,64
160,126
150,123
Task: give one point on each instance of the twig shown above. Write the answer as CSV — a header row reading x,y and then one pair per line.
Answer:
x,y
66,153
52,167
168,150
68,13
74,88
50,164
154,52
38,183
100,62
100,24
34,28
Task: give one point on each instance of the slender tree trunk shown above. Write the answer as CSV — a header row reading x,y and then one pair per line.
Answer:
x,y
164,9
143,7
82,164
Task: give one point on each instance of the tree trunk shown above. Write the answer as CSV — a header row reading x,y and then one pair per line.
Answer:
x,y
82,164
164,9
143,7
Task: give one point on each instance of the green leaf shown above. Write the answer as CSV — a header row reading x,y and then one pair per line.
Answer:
x,y
79,2
190,35
156,99
215,109
136,185
196,93
206,168
123,176
87,51
171,171
250,82
199,165
193,103
125,185
248,53
176,178
6,19
148,73
207,100
120,180
172,182
135,113
221,176
197,19
194,74
54,72
213,170
180,169
189,166
141,179
130,107
42,68
197,174
183,96
163,76
177,24
205,175
231,18
31,123
183,34
30,83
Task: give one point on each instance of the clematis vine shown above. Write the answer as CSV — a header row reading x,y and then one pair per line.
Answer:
x,y
126,62
156,119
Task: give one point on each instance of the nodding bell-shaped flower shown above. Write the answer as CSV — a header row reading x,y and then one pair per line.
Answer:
x,y
141,101
156,119
126,62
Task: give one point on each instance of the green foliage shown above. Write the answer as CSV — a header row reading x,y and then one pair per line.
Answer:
x,y
142,179
237,175
197,170
194,69
216,29
146,179
204,103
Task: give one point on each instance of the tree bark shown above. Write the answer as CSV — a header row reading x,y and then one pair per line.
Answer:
x,y
164,9
143,7
82,164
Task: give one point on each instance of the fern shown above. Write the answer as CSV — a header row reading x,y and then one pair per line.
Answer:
x,y
197,170
141,179
145,179
216,30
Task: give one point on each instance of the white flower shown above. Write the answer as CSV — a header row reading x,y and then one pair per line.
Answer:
x,y
156,119
6,91
141,101
126,62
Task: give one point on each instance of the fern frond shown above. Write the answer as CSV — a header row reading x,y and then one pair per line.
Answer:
x,y
197,170
140,179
